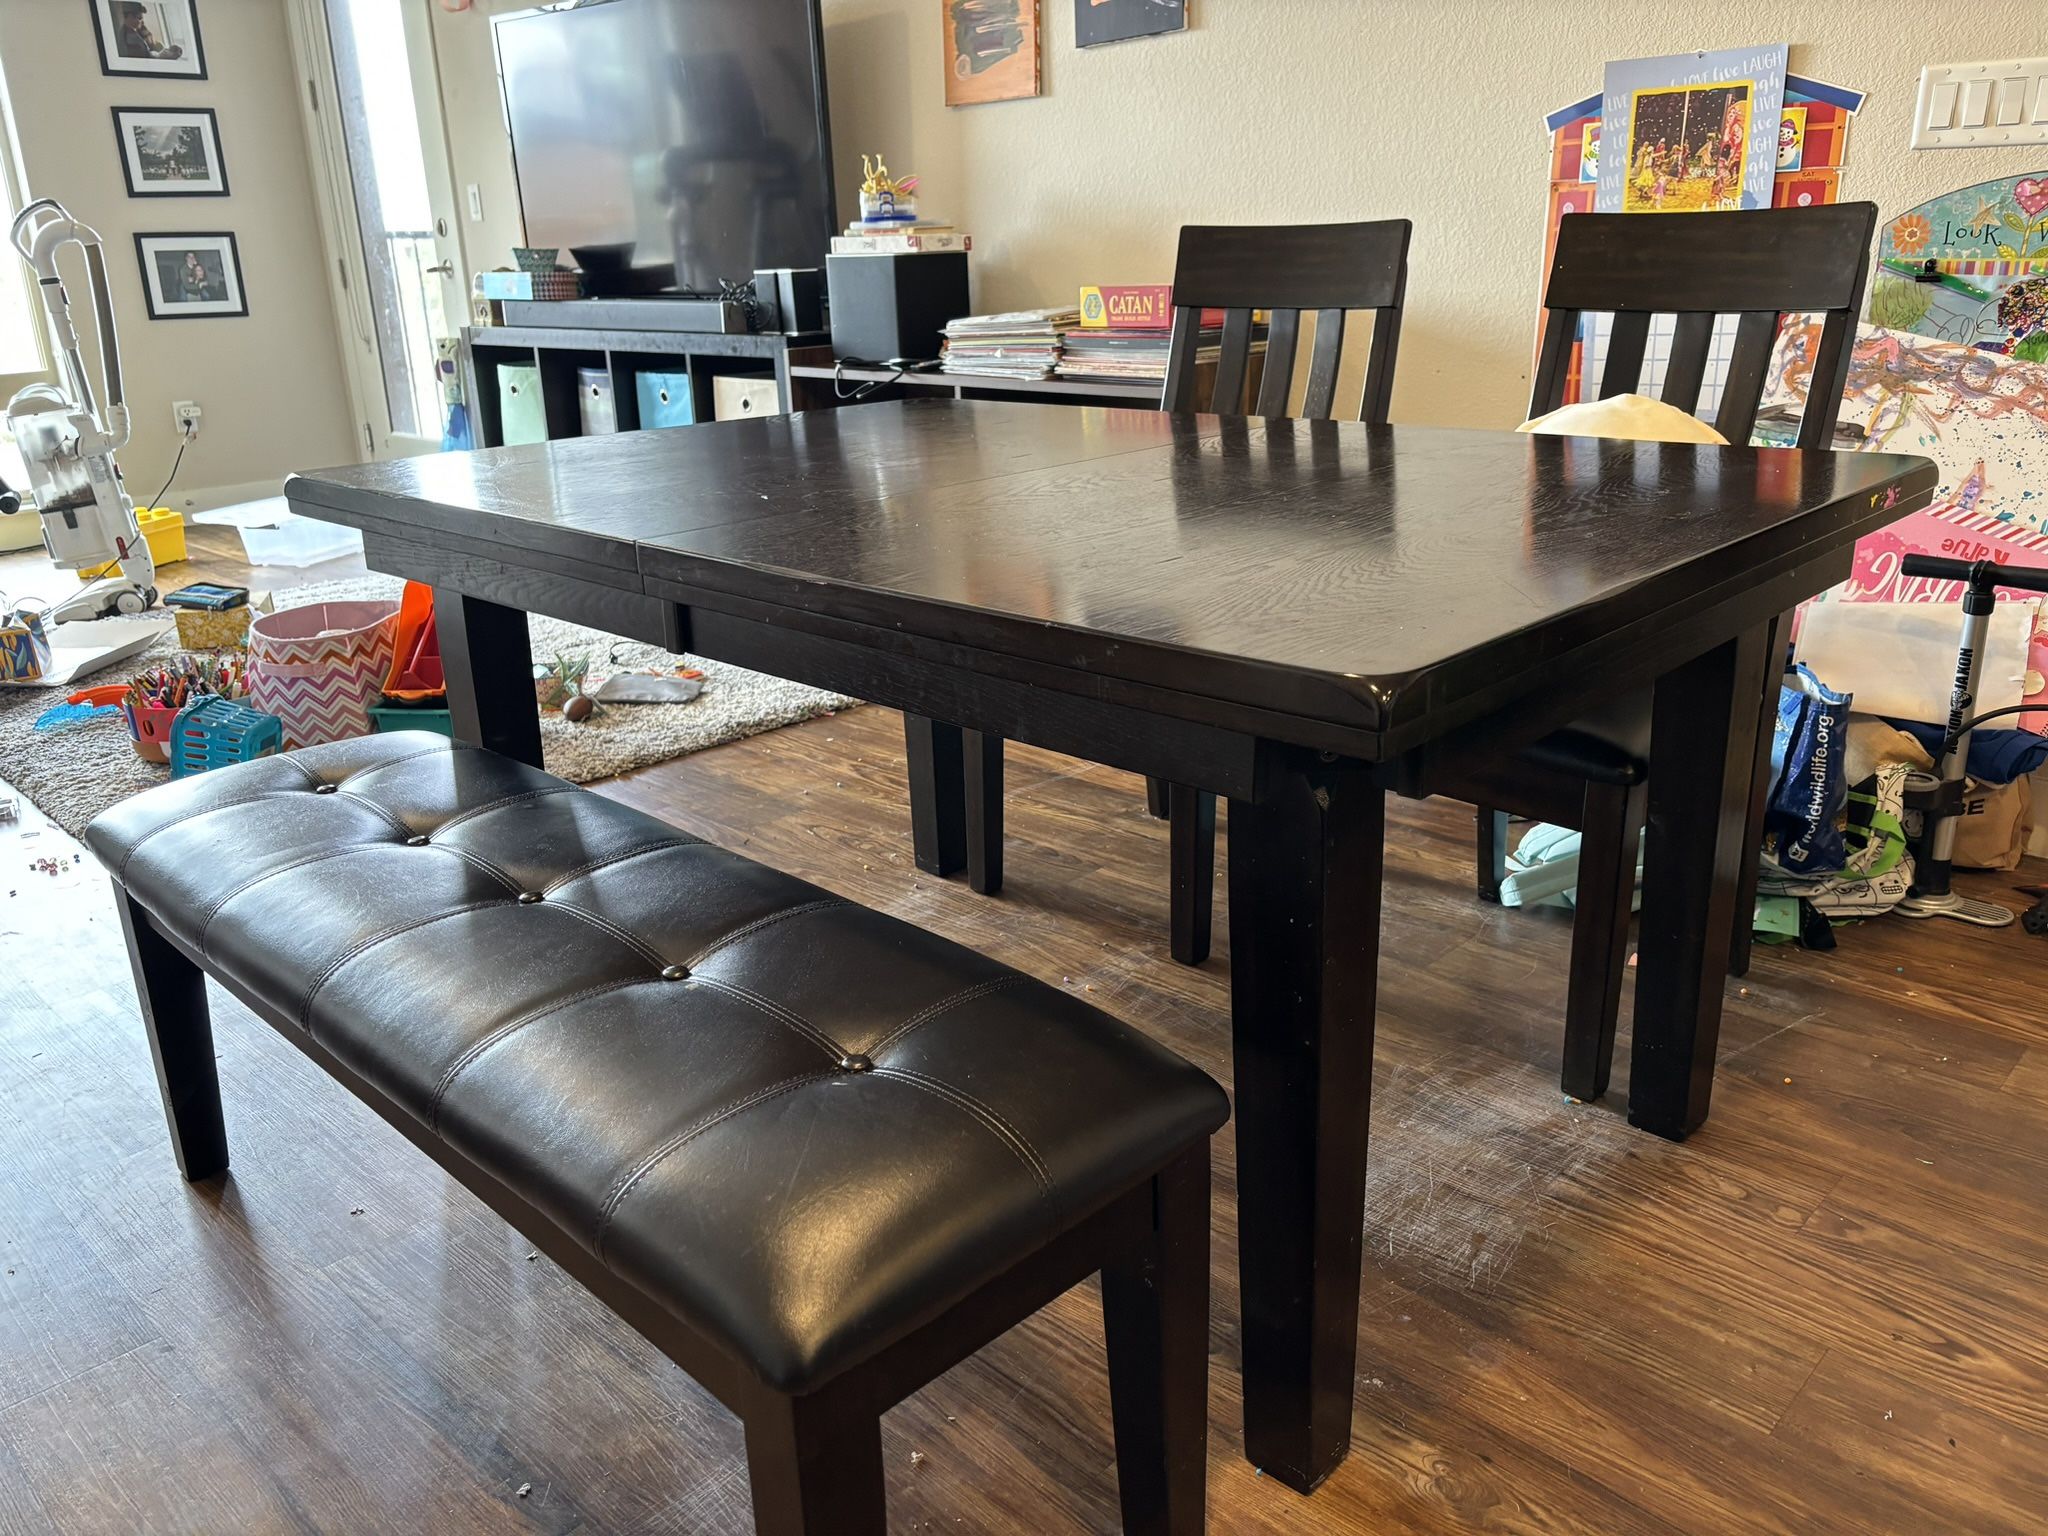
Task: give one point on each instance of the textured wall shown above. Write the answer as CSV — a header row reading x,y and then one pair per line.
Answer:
x,y
270,383
1304,110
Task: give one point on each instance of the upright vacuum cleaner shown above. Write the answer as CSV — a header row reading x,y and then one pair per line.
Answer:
x,y
1940,800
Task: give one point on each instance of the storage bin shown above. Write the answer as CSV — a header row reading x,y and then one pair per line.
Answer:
x,y
387,717
165,530
594,405
521,416
665,400
319,668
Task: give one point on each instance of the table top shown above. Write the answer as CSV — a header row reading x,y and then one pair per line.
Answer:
x,y
1330,569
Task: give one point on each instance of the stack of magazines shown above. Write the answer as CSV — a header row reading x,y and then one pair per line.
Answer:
x,y
1022,345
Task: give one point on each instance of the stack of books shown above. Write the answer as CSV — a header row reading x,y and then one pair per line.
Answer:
x,y
1125,333
1022,345
904,240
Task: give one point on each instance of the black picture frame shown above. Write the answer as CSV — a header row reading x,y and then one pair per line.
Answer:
x,y
111,62
231,265
124,144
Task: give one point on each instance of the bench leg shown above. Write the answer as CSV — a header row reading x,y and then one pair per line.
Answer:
x,y
172,994
815,1463
1191,835
1155,1315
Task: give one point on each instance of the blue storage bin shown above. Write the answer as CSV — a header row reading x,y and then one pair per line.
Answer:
x,y
665,400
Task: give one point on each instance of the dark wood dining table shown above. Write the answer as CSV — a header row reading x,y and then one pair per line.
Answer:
x,y
1299,616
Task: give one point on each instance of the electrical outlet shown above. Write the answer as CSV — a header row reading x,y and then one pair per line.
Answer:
x,y
185,416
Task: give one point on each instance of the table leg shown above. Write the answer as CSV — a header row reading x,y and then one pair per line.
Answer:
x,y
938,795
1702,758
488,662
1305,864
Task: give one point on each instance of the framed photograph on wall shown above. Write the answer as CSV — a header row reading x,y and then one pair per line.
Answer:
x,y
171,153
992,50
191,276
1113,21
158,39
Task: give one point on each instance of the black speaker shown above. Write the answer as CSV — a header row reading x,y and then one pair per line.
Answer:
x,y
889,307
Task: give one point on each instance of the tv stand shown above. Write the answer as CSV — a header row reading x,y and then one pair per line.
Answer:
x,y
624,351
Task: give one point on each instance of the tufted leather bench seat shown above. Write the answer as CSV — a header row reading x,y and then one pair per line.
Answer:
x,y
815,1153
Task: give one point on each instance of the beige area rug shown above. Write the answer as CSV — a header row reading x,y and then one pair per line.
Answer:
x,y
75,773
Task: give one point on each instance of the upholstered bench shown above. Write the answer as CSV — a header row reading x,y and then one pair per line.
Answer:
x,y
815,1154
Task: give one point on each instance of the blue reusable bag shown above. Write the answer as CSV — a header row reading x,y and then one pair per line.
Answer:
x,y
1810,787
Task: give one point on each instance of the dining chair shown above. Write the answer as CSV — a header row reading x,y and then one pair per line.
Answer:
x,y
1287,271
1592,776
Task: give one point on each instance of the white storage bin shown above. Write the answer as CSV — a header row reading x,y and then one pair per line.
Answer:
x,y
272,534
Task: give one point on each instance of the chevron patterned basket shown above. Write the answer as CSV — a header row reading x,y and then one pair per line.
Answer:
x,y
318,668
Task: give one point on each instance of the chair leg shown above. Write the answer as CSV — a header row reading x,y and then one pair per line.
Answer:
x,y
1492,828
1155,1317
172,993
1742,938
1612,826
1156,798
1192,838
815,1463
938,804
983,766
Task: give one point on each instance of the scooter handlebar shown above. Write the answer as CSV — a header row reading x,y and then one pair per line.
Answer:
x,y
2031,578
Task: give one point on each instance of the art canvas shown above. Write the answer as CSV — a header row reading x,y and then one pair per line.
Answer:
x,y
1982,419
1680,133
1114,21
1970,267
992,50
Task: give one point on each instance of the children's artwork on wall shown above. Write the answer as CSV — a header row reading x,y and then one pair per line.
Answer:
x,y
1791,139
1681,131
1575,133
1970,267
992,50
1983,420
1112,21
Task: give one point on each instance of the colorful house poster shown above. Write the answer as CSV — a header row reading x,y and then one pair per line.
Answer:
x,y
1970,267
1691,132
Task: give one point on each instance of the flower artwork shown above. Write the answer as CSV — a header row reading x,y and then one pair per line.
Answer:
x,y
1970,267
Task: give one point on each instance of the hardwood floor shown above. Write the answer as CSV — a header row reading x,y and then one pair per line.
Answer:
x,y
1824,1313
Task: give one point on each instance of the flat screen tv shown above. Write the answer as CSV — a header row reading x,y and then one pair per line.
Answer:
x,y
671,144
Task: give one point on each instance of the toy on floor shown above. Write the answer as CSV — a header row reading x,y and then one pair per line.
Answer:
x,y
1940,800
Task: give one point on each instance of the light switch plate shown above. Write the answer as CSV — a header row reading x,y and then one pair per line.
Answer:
x,y
2001,102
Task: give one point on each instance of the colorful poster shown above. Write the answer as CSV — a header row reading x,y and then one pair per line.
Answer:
x,y
1983,420
991,50
1679,133
1112,21
1971,267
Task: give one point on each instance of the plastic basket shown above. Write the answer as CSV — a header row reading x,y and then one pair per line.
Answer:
x,y
213,732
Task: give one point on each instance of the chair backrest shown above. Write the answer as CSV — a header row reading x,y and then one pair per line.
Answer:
x,y
1285,269
1759,265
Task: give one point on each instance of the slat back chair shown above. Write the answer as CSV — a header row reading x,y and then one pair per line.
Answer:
x,y
1697,267
1287,270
